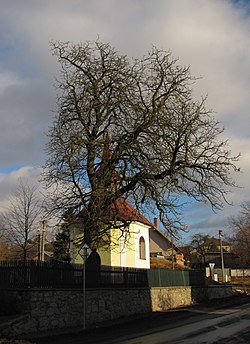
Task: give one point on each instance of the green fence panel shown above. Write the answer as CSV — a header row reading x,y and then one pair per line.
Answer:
x,y
168,278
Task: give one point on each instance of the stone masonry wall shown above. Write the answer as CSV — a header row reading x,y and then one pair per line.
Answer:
x,y
62,309
171,297
164,298
44,310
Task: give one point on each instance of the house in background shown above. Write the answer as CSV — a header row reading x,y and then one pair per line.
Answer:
x,y
215,243
214,256
231,260
199,256
162,247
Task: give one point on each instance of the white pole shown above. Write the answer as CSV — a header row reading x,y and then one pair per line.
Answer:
x,y
43,239
84,253
221,254
84,297
85,256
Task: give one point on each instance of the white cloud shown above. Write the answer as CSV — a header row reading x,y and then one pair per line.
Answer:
x,y
7,80
9,182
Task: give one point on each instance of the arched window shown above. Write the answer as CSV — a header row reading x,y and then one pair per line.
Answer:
x,y
142,248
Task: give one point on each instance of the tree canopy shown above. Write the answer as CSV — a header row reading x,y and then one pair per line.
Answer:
x,y
162,142
201,244
61,244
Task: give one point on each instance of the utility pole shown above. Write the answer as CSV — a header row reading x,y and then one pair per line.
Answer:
x,y
39,245
172,248
221,255
44,223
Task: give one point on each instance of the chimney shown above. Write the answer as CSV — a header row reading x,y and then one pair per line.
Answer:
x,y
155,222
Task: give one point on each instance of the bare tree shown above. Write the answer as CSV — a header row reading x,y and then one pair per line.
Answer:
x,y
163,143
240,226
20,223
200,245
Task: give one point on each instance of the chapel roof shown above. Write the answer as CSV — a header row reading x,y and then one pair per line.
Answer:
x,y
122,210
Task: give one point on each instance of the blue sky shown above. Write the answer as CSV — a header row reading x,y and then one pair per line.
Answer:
x,y
212,36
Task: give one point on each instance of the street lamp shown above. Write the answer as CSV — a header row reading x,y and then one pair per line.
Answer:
x,y
221,255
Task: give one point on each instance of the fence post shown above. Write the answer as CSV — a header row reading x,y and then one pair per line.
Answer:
x,y
125,277
32,274
159,277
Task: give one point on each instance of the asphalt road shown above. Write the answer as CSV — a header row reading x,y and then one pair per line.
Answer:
x,y
221,322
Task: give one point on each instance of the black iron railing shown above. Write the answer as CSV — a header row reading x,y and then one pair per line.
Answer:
x,y
36,274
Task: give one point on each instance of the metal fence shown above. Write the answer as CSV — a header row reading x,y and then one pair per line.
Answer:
x,y
119,277
170,278
35,274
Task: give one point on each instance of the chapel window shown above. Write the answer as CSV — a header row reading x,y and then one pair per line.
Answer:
x,y
142,248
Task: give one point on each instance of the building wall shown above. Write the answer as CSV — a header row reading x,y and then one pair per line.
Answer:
x,y
240,272
105,256
141,230
120,247
124,248
159,244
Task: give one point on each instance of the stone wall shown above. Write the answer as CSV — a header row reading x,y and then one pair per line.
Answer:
x,y
171,297
163,298
44,310
62,309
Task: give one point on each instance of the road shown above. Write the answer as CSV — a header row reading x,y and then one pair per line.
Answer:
x,y
227,326
216,323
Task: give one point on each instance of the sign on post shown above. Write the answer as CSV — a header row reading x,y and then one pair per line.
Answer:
x,y
85,252
211,265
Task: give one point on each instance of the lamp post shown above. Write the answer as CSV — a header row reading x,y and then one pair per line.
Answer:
x,y
221,255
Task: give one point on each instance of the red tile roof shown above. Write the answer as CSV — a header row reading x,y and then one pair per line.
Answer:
x,y
123,211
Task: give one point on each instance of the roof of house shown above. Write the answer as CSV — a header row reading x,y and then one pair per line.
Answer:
x,y
216,241
231,260
155,229
122,210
